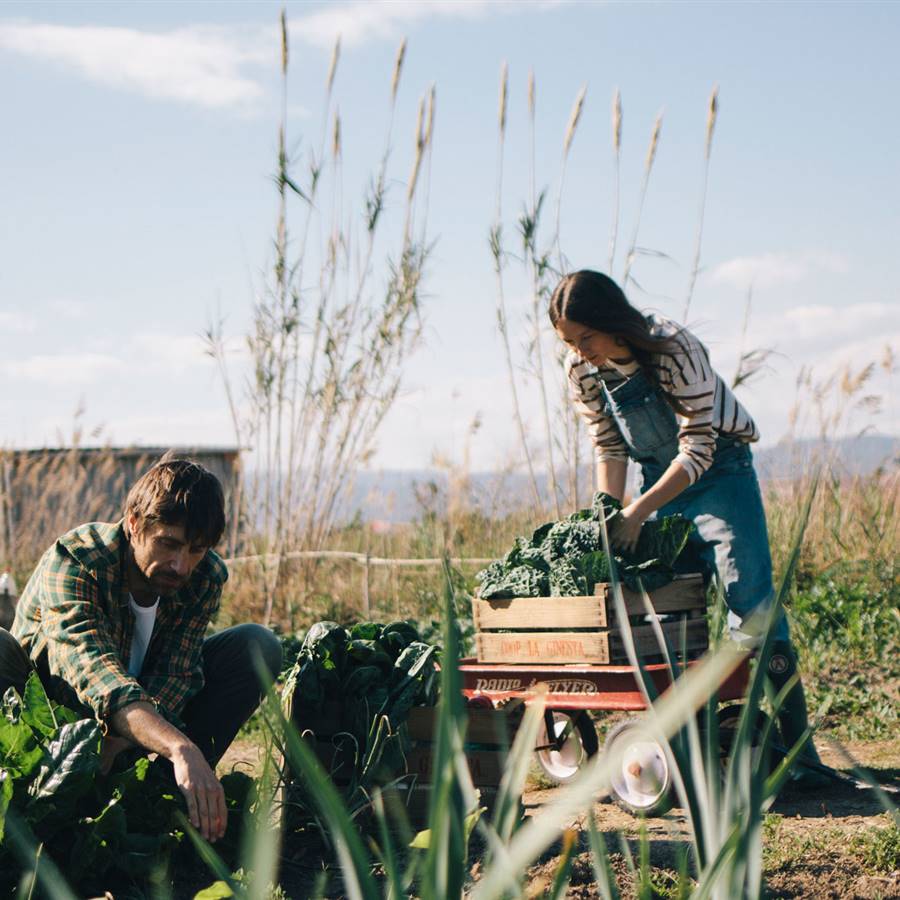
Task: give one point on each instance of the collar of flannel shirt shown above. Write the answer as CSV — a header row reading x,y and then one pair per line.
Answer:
x,y
101,549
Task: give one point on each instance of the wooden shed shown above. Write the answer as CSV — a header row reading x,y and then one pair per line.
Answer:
x,y
44,493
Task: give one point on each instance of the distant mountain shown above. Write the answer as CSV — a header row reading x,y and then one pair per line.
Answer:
x,y
851,456
392,496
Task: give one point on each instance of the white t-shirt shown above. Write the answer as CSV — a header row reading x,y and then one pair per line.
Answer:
x,y
144,619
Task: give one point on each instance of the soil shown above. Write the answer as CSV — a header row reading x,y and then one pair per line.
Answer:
x,y
814,842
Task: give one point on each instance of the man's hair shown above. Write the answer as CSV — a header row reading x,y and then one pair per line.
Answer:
x,y
179,492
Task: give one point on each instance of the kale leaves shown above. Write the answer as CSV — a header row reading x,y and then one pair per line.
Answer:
x,y
565,558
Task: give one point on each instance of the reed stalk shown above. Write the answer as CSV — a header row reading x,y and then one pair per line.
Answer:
x,y
498,254
571,128
538,265
711,116
327,351
617,178
645,181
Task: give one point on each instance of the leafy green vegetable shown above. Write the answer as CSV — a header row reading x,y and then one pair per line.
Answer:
x,y
566,558
36,710
122,825
353,688
68,767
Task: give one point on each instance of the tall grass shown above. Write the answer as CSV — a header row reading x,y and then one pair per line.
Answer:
x,y
331,331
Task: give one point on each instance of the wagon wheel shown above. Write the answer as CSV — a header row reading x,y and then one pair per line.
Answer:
x,y
565,743
642,783
728,719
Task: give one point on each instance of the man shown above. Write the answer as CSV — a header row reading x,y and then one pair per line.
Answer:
x,y
113,620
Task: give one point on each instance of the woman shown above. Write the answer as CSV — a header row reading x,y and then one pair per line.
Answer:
x,y
648,393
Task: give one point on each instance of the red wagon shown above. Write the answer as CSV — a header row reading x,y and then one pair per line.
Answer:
x,y
569,737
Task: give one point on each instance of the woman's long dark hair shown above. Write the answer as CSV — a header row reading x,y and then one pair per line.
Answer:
x,y
596,301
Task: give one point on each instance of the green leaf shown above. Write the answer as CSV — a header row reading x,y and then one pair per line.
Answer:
x,y
365,631
603,871
210,857
19,752
422,840
6,792
216,891
36,708
68,769
97,845
64,715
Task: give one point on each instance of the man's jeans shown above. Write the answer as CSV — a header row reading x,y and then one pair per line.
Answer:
x,y
230,695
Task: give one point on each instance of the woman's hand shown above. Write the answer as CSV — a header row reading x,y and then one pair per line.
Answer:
x,y
627,528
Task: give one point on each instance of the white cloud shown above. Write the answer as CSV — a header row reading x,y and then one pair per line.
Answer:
x,y
214,67
364,20
16,323
142,354
65,369
201,427
770,269
169,352
67,308
197,65
817,330
437,420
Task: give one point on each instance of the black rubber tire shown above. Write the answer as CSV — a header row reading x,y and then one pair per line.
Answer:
x,y
584,731
728,718
655,802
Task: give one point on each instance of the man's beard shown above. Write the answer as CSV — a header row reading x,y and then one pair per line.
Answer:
x,y
166,585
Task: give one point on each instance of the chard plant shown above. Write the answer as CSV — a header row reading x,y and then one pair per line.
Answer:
x,y
59,811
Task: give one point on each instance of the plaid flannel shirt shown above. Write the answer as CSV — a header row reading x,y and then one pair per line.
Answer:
x,y
75,623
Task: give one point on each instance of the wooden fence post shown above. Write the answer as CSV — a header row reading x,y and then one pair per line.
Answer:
x,y
366,602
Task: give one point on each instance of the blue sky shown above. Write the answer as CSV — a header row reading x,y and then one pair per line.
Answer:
x,y
140,137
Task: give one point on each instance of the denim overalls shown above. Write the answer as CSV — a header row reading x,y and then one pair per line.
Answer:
x,y
724,503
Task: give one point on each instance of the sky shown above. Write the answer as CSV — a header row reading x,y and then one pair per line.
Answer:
x,y
138,204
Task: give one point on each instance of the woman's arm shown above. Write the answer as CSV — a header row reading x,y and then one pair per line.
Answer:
x,y
628,527
611,477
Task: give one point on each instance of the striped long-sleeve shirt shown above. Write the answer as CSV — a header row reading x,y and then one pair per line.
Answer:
x,y
712,409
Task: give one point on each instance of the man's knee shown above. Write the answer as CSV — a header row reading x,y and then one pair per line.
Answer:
x,y
264,644
257,643
14,663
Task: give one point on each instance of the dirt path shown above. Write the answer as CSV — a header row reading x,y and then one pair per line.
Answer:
x,y
816,846
821,845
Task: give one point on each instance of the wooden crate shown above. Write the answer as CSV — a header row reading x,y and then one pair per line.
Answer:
x,y
584,629
489,733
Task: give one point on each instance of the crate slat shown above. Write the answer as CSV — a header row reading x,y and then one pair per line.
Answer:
x,y
543,647
696,638
485,766
529,612
600,647
683,593
542,629
485,726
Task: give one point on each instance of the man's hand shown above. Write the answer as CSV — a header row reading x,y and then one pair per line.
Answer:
x,y
627,528
202,791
